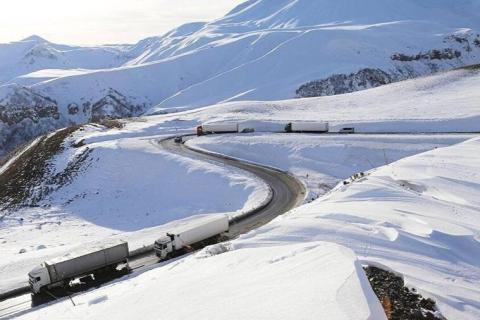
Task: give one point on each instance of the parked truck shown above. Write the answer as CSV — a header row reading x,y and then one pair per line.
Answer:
x,y
219,127
313,127
97,260
204,231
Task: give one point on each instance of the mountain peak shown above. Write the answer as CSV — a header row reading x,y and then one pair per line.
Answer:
x,y
34,38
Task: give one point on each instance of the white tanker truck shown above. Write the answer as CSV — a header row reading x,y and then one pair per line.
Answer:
x,y
97,260
204,231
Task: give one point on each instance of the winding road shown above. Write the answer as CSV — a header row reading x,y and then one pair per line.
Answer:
x,y
287,193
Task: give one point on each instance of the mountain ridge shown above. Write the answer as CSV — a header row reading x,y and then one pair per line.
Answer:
x,y
261,50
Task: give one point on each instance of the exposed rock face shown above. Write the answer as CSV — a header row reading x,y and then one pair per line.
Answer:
x,y
400,302
24,115
113,106
342,83
73,108
444,54
32,176
404,66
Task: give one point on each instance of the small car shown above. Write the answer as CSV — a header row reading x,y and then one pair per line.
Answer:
x,y
178,140
347,130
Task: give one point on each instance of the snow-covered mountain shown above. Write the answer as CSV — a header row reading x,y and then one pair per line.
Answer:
x,y
261,50
417,217
35,53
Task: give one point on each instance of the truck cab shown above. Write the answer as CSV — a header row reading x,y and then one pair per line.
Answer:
x,y
163,246
38,278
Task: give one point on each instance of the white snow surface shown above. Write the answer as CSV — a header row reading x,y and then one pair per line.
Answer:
x,y
417,217
446,102
321,161
128,185
299,281
262,50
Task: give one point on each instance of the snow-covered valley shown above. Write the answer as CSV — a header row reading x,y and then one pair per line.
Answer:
x,y
415,216
397,199
261,50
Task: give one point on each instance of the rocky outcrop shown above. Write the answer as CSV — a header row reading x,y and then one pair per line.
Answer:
x,y
404,66
114,106
344,83
22,103
24,115
435,54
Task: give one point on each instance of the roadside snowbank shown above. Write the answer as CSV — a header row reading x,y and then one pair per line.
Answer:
x,y
321,161
313,280
418,216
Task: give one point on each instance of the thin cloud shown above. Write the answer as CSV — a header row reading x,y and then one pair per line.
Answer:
x,y
105,21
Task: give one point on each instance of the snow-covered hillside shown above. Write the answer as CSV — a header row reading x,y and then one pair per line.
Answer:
x,y
101,171
34,53
259,51
263,50
417,217
322,161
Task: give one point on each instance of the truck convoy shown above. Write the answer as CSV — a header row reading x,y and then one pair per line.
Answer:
x,y
229,127
101,260
98,260
190,236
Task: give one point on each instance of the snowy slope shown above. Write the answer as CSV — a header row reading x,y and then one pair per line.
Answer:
x,y
124,164
34,54
417,217
446,102
269,49
118,186
261,50
322,161
222,286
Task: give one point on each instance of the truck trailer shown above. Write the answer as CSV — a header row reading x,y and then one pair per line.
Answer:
x,y
97,260
203,231
219,127
313,127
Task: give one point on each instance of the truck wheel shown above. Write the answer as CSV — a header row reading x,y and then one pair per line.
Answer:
x,y
38,299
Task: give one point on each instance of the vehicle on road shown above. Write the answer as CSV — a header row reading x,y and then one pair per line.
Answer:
x,y
219,127
312,127
178,139
347,130
98,260
191,236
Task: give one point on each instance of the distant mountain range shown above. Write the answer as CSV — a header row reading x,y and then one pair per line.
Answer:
x,y
261,50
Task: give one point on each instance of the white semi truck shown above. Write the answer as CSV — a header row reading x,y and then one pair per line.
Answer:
x,y
97,260
219,127
205,231
313,127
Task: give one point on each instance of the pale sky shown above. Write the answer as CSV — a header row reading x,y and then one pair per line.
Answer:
x,y
90,22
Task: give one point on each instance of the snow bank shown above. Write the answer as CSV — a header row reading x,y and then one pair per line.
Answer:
x,y
299,281
418,216
321,161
